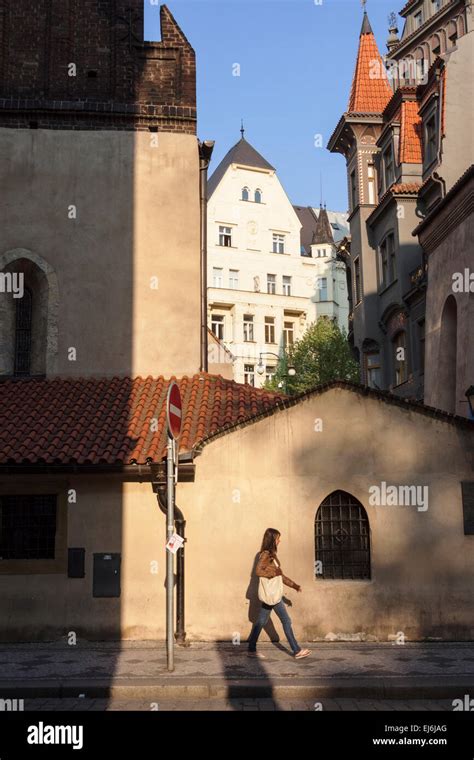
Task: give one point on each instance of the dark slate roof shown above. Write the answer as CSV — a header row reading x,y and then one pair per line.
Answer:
x,y
323,233
308,221
366,28
241,153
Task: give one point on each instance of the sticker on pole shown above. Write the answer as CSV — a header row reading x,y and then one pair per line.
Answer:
x,y
174,410
175,542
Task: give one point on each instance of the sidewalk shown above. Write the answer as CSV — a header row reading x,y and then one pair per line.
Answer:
x,y
137,670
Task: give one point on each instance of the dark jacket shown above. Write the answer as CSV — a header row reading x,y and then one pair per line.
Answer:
x,y
266,568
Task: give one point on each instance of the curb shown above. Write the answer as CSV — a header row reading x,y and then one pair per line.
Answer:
x,y
429,687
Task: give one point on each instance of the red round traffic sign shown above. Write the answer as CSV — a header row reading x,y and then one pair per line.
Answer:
x,y
174,410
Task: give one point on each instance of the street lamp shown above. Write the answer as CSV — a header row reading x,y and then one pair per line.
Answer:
x,y
261,367
470,399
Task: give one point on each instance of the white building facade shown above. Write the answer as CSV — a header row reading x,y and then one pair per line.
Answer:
x,y
264,287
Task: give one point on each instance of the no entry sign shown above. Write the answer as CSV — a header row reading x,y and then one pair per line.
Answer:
x,y
174,410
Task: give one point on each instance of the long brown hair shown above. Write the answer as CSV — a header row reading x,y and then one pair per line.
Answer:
x,y
269,540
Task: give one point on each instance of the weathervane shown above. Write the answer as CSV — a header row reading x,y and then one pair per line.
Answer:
x,y
363,3
242,130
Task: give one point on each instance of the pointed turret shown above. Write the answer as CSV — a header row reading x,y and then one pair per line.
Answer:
x,y
322,234
370,91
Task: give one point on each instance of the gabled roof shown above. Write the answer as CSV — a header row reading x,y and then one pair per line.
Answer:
x,y
241,153
356,388
115,421
368,93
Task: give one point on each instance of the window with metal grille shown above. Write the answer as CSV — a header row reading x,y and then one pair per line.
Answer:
x,y
27,526
342,539
23,322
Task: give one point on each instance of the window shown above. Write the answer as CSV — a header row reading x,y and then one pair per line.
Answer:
x,y
27,527
258,196
245,194
421,346
288,334
399,358
342,539
286,285
233,278
435,6
388,267
271,283
371,183
225,236
353,189
269,329
389,168
269,372
248,328
430,140
249,374
278,243
357,281
23,325
373,369
217,277
418,19
322,286
217,326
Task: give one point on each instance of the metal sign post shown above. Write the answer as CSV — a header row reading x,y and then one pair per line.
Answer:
x,y
170,555
173,416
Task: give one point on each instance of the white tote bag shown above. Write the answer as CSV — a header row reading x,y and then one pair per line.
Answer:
x,y
270,590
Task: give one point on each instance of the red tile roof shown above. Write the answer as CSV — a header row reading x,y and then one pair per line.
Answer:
x,y
410,134
370,91
408,188
110,420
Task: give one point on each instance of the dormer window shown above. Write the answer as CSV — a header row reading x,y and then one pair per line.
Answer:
x,y
245,193
430,140
418,19
389,167
258,196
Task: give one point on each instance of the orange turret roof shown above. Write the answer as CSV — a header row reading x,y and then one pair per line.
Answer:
x,y
370,91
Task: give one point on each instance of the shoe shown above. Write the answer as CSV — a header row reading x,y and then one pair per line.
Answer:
x,y
257,654
302,653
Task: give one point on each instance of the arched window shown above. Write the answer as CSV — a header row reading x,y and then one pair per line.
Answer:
x,y
447,357
245,194
342,539
258,196
23,326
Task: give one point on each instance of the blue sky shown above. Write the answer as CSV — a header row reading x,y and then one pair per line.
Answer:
x,y
296,62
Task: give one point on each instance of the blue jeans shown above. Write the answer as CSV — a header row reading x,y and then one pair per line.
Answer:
x,y
265,612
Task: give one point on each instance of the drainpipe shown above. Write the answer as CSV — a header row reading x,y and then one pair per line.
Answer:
x,y
205,153
180,523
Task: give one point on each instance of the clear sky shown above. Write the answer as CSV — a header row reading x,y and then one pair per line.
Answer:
x,y
296,61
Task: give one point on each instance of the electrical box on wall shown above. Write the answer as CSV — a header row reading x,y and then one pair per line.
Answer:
x,y
76,563
106,575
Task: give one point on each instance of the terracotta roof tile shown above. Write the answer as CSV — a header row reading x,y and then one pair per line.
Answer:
x,y
369,93
410,134
109,420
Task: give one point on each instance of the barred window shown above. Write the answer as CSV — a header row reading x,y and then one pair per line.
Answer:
x,y
342,539
27,526
24,311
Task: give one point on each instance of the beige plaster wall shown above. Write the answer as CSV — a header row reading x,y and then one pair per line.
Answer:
x,y
137,218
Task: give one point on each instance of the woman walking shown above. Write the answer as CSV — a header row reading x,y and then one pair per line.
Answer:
x,y
270,594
